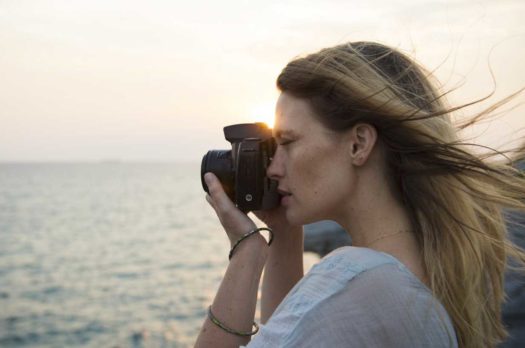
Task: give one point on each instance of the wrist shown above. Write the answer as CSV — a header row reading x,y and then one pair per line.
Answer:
x,y
255,246
289,235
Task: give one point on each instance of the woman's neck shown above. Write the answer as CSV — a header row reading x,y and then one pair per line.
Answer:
x,y
377,220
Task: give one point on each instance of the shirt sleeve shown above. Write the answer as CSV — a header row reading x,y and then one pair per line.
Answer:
x,y
380,307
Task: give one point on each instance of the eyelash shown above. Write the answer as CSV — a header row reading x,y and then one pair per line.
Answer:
x,y
285,142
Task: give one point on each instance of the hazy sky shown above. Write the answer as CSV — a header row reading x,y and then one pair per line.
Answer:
x,y
157,80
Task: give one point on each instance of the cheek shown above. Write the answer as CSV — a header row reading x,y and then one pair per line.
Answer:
x,y
305,169
319,171
321,180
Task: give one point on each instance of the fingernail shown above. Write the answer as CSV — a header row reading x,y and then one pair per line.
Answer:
x,y
207,178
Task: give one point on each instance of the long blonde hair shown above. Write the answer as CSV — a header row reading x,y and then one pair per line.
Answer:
x,y
456,198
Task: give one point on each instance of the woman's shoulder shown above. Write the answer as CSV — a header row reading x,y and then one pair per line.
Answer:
x,y
347,262
379,307
360,293
370,275
333,273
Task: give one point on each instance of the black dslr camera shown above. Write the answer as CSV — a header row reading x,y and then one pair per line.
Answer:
x,y
242,170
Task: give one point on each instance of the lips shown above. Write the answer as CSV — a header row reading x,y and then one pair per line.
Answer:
x,y
285,197
283,192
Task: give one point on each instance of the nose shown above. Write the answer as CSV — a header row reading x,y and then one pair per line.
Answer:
x,y
275,170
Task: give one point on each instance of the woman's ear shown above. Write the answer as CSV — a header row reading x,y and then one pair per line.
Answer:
x,y
363,138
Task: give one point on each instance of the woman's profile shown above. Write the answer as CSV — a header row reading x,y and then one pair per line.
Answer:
x,y
365,139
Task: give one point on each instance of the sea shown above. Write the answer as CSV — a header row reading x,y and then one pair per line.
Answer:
x,y
109,254
106,254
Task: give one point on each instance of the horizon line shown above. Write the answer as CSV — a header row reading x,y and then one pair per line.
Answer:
x,y
116,161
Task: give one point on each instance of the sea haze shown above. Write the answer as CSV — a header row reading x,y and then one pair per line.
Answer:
x,y
106,255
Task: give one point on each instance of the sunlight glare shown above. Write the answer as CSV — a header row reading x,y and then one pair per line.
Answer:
x,y
264,112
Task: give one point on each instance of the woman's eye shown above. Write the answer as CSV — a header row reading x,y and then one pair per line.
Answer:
x,y
285,142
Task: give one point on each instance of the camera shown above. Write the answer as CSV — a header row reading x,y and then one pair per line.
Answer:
x,y
242,170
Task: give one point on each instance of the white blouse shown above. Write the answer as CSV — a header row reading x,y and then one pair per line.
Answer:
x,y
358,297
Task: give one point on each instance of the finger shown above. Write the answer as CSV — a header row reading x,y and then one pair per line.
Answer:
x,y
210,201
220,199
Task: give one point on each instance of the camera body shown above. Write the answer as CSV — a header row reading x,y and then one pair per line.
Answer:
x,y
242,170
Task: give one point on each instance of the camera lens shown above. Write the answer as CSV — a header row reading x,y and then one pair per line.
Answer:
x,y
220,163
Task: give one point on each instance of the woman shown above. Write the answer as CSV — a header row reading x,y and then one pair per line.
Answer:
x,y
365,140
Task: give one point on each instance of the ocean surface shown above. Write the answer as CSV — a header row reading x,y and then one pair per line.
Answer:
x,y
106,255
114,255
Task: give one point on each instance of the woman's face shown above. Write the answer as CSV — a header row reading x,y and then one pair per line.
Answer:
x,y
311,163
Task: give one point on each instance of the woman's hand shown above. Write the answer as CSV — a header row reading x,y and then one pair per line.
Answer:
x,y
234,221
236,300
274,218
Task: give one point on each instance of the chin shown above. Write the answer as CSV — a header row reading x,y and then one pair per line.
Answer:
x,y
296,218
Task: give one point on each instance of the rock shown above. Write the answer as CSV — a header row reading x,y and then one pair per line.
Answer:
x,y
514,309
324,236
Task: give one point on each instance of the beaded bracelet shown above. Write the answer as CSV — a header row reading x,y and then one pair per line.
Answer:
x,y
227,329
246,235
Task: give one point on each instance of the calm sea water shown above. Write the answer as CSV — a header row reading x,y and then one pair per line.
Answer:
x,y
106,255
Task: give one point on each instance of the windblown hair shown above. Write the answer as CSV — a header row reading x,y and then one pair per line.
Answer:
x,y
456,198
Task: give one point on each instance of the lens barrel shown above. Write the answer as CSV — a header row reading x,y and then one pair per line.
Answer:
x,y
220,163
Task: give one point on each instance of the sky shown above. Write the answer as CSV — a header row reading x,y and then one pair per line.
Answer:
x,y
157,80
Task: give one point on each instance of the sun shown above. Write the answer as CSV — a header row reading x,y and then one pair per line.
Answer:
x,y
264,112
